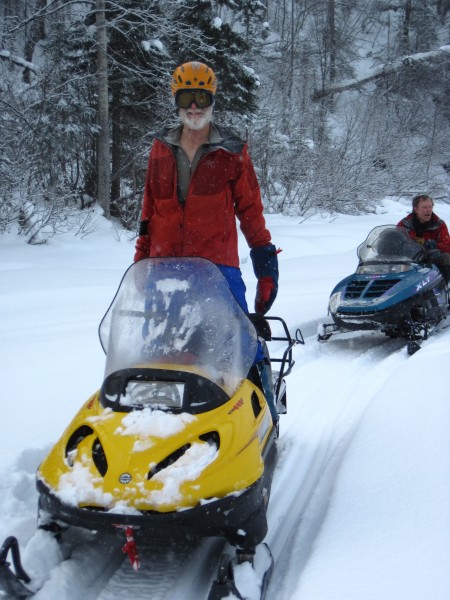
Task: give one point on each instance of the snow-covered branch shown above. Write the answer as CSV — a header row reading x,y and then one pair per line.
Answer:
x,y
17,60
443,53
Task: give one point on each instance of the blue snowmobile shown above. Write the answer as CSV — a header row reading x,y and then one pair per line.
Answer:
x,y
396,290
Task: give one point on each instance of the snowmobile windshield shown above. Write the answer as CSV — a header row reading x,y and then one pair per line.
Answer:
x,y
179,313
388,249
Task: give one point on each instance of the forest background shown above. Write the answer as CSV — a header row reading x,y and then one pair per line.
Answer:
x,y
342,102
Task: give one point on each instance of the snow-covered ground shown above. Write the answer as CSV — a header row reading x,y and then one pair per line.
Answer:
x,y
360,497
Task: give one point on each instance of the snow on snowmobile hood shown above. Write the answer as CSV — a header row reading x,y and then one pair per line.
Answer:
x,y
178,311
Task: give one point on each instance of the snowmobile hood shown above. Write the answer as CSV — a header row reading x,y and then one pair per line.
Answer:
x,y
379,291
153,460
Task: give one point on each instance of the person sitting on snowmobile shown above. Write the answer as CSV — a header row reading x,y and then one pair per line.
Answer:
x,y
426,228
200,177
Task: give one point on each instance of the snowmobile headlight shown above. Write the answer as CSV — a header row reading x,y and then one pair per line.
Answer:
x,y
155,394
335,300
380,268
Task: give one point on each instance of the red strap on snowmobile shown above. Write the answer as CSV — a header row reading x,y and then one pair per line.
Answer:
x,y
130,548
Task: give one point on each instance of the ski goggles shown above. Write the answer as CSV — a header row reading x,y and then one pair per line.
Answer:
x,y
202,98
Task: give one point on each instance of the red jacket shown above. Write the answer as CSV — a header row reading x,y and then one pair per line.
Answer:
x,y
435,229
223,186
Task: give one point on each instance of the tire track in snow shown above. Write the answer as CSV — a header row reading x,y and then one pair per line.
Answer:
x,y
334,383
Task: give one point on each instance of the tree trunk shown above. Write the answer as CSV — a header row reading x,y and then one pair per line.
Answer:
x,y
331,40
34,35
103,158
406,27
116,149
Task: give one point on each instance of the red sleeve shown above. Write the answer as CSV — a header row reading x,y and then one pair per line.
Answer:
x,y
142,248
443,242
248,204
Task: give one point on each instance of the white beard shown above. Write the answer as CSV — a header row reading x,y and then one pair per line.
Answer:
x,y
196,119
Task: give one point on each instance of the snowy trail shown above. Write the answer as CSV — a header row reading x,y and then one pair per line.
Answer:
x,y
330,413
361,489
87,569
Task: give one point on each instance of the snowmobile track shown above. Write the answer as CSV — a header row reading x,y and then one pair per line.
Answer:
x,y
167,571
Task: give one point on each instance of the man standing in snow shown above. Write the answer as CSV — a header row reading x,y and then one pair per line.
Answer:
x,y
426,228
199,179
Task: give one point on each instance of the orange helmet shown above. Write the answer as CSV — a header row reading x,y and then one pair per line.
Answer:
x,y
194,76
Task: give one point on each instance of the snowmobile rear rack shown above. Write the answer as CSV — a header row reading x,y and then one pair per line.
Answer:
x,y
286,361
264,331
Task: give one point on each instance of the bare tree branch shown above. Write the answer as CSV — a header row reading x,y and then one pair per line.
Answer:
x,y
52,7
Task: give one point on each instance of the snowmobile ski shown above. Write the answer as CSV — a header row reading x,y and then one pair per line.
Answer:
x,y
227,582
12,581
224,584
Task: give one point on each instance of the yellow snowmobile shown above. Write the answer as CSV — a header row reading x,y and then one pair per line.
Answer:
x,y
179,437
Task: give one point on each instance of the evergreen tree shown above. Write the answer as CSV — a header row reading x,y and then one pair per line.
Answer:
x,y
137,84
137,79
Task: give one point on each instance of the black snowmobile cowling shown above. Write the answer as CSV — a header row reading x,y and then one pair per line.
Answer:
x,y
396,290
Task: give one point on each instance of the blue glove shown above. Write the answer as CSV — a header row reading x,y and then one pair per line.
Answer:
x,y
430,245
265,267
